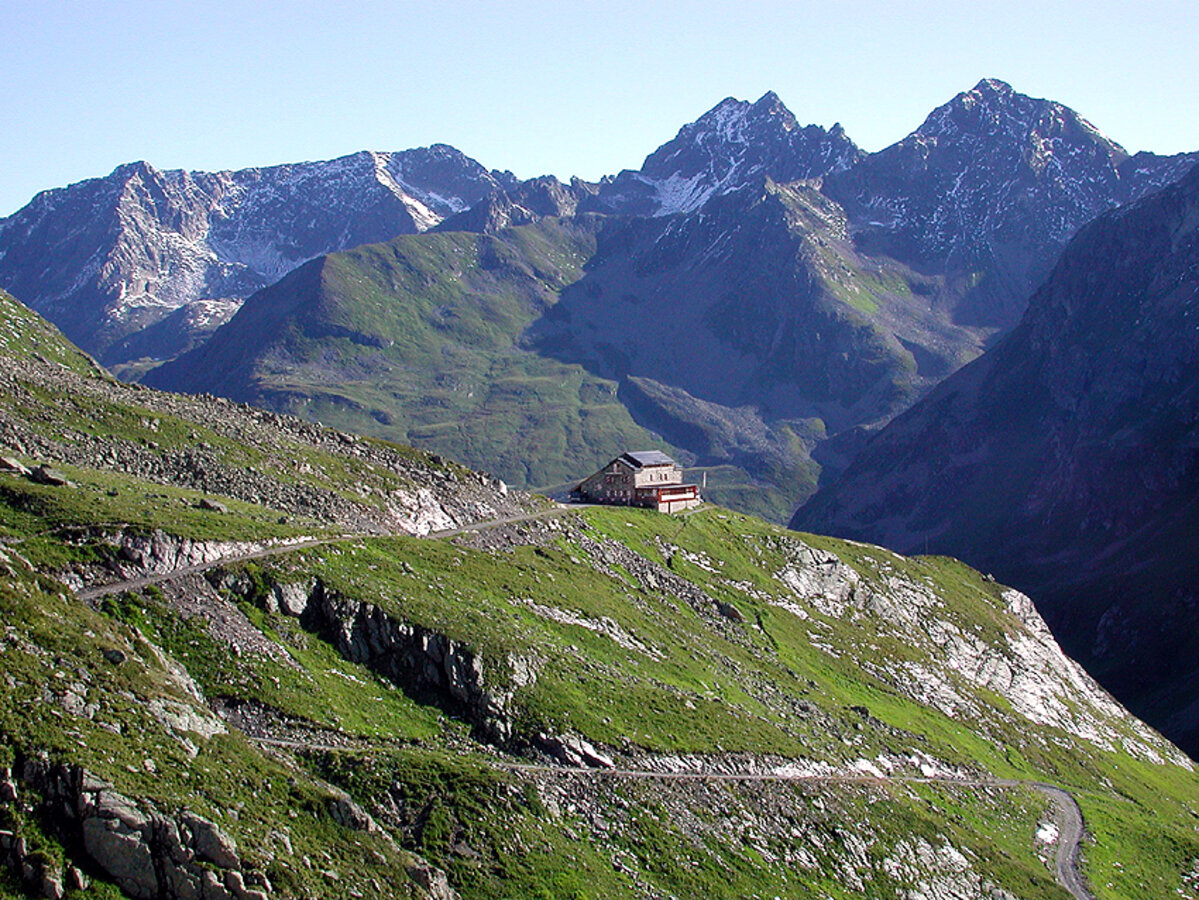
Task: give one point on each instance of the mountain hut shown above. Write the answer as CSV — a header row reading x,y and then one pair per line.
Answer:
x,y
647,478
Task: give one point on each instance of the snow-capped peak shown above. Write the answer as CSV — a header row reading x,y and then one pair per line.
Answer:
x,y
732,144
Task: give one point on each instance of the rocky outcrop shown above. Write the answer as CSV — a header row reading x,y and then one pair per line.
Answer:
x,y
426,664
1024,664
148,853
159,552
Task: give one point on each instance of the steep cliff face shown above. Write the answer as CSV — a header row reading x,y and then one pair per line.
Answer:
x,y
1064,460
107,258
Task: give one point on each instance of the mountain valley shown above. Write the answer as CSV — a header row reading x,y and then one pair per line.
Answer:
x,y
757,299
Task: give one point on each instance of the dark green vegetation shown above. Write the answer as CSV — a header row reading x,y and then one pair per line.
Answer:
x,y
354,712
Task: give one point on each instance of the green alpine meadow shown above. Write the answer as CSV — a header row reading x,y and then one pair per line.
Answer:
x,y
248,656
583,336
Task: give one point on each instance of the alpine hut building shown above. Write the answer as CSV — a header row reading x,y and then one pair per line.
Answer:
x,y
647,478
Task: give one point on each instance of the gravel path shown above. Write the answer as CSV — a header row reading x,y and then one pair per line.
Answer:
x,y
1068,816
1070,826
144,581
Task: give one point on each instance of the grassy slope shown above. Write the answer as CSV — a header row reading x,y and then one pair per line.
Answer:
x,y
445,341
415,341
24,333
707,689
693,683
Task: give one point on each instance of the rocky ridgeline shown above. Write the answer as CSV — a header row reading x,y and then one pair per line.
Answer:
x,y
147,242
435,494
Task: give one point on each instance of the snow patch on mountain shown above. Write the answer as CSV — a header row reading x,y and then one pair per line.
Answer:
x,y
727,148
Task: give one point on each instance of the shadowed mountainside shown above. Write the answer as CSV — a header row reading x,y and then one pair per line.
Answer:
x,y
1064,459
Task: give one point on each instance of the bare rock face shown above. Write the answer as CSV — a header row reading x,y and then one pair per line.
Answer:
x,y
115,834
9,464
1025,665
348,814
210,843
148,853
572,750
423,662
433,881
48,476
158,552
291,599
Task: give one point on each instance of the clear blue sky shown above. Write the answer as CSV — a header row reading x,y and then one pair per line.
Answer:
x,y
566,88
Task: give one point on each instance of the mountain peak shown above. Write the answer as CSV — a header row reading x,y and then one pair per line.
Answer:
x,y
129,170
728,147
993,87
993,111
966,181
770,102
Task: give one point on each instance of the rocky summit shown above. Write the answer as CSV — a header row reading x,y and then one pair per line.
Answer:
x,y
1063,460
991,187
731,146
250,657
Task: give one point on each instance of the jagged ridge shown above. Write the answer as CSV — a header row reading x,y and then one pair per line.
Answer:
x,y
135,246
